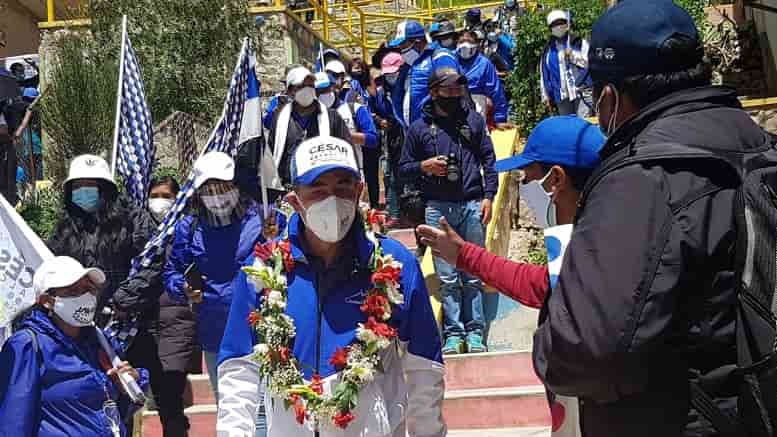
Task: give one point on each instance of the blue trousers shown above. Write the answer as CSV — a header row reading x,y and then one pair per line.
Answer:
x,y
462,293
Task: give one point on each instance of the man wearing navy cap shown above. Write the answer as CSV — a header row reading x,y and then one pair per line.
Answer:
x,y
411,91
450,152
646,296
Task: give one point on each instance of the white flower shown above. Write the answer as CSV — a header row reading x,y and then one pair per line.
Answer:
x,y
261,349
364,372
365,334
281,280
394,295
383,343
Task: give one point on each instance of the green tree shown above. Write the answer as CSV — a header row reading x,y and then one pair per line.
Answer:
x,y
77,108
533,37
186,48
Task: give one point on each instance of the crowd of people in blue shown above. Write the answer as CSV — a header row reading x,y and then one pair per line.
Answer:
x,y
640,330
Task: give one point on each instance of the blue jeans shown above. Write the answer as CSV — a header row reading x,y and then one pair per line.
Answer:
x,y
462,293
211,360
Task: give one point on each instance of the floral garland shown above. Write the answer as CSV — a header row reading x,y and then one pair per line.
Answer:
x,y
357,362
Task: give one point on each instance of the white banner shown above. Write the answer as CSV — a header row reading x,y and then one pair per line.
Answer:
x,y
564,410
21,252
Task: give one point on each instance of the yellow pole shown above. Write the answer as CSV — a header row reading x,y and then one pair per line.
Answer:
x,y
325,17
430,8
363,24
49,10
382,6
350,20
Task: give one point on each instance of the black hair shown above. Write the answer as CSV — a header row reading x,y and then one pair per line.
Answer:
x,y
166,180
645,89
472,33
364,80
17,65
578,175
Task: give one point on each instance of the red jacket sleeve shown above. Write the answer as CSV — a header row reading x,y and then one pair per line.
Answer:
x,y
526,283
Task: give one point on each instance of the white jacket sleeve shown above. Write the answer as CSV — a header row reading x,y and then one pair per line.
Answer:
x,y
426,387
239,391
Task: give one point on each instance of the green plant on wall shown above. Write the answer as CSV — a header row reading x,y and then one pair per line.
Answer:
x,y
77,107
186,48
532,38
42,210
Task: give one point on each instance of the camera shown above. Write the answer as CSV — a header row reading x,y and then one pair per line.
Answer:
x,y
452,166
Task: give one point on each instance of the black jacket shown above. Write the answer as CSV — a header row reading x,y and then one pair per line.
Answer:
x,y
646,292
297,133
467,139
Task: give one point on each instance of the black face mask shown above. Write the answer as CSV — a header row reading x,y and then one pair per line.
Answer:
x,y
451,105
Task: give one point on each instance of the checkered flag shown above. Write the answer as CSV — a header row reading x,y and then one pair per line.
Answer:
x,y
133,149
226,137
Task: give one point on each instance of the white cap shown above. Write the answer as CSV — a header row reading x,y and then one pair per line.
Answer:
x,y
89,167
556,15
63,271
297,75
213,165
322,80
320,155
335,66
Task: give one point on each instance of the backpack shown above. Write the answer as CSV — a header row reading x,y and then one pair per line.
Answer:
x,y
753,378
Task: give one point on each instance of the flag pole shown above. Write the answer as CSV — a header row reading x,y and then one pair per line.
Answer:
x,y
118,95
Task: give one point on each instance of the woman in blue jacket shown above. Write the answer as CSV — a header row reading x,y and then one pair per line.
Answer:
x,y
482,78
214,240
55,379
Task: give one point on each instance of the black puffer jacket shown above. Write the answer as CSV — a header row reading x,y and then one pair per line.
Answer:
x,y
107,239
646,293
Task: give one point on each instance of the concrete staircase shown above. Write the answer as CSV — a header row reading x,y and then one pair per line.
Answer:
x,y
491,394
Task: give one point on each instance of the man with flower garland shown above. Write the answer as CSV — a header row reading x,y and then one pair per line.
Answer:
x,y
334,321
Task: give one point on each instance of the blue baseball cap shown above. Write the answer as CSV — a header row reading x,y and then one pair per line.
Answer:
x,y
630,37
319,155
473,13
407,30
30,93
564,140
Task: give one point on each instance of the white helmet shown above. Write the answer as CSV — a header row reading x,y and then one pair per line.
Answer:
x,y
213,165
557,15
89,167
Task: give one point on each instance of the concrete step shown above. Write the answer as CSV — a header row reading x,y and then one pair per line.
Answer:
x,y
489,370
462,372
492,408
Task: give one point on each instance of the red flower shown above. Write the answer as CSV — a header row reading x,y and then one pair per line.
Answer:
x,y
343,419
380,328
264,251
254,317
299,408
288,259
375,217
375,305
340,358
316,385
284,354
386,273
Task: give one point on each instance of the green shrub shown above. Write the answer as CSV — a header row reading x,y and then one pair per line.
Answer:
x,y
77,108
186,48
41,210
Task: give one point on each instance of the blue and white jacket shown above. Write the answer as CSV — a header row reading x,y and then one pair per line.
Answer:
x,y
60,388
324,303
411,91
483,81
561,78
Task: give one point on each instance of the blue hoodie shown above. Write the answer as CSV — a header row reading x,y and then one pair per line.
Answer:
x,y
483,80
218,252
416,78
58,390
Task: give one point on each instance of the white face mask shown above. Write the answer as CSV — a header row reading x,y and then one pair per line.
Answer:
x,y
159,207
559,30
467,50
391,79
305,96
76,311
221,205
331,218
410,55
539,202
328,99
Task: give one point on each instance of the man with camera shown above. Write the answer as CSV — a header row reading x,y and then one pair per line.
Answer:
x,y
446,150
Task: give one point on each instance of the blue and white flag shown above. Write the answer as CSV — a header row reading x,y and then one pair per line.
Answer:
x,y
239,122
240,107
133,144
